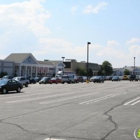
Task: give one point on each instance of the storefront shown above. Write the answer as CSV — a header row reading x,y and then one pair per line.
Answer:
x,y
25,64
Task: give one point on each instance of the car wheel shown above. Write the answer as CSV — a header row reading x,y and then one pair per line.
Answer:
x,y
18,90
4,90
26,85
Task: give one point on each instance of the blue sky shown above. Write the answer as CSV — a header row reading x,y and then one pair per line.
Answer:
x,y
50,29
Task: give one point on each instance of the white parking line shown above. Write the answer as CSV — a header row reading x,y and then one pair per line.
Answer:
x,y
105,98
99,99
49,96
136,102
67,98
133,101
53,139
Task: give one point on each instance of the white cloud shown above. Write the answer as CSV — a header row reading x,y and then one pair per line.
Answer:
x,y
95,10
135,50
133,40
74,9
59,47
22,24
67,49
112,43
29,14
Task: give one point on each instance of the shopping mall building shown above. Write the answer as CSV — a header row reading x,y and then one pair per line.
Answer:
x,y
25,64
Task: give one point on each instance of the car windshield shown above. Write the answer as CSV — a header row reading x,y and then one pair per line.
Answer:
x,y
96,77
16,78
5,77
64,76
3,82
43,78
53,78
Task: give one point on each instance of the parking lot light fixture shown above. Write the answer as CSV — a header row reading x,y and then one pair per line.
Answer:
x,y
134,65
63,64
88,43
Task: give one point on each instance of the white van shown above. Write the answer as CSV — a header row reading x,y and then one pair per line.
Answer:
x,y
68,79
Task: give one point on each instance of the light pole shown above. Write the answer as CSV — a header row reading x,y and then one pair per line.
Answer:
x,y
63,64
88,43
134,65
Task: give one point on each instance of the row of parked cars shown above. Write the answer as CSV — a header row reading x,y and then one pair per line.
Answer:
x,y
114,78
9,83
17,83
62,79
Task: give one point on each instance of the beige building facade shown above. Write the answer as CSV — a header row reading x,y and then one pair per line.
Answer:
x,y
71,65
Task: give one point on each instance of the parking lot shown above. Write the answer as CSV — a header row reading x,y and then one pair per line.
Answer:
x,y
93,111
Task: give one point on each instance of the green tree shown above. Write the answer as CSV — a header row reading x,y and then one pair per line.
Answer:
x,y
106,68
81,72
126,72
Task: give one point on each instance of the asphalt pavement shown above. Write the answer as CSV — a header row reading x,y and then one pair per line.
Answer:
x,y
82,111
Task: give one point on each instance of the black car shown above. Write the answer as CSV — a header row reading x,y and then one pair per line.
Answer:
x,y
115,78
45,80
98,79
32,80
10,85
37,79
134,78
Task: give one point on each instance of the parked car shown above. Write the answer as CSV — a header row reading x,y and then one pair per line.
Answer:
x,y
45,80
22,80
108,78
134,78
115,78
32,80
7,77
84,78
98,79
37,79
68,79
55,80
10,85
125,77
78,79
120,77
138,77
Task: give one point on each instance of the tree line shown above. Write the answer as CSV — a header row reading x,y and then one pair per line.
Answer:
x,y
105,70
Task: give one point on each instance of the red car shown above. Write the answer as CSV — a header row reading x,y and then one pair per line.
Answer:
x,y
55,80
78,79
